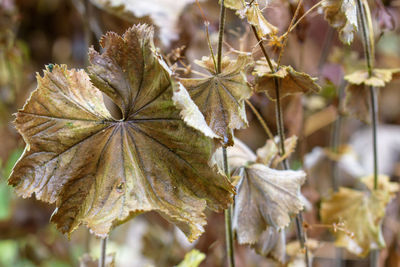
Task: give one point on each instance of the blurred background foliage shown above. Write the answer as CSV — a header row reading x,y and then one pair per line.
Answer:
x,y
34,33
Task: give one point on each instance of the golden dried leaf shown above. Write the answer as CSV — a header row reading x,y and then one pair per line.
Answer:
x,y
342,15
384,184
256,18
291,81
265,197
101,171
192,259
356,102
379,78
220,97
361,213
234,4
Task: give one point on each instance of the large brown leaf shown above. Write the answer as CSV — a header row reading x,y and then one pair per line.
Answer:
x,y
220,96
101,171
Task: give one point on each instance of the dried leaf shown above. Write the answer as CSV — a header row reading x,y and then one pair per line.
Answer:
x,y
361,213
164,13
265,197
256,18
342,15
291,81
192,259
100,171
87,261
296,253
379,78
384,184
220,97
356,102
271,244
234,4
269,153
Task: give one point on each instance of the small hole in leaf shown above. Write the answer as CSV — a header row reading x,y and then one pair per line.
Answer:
x,y
120,187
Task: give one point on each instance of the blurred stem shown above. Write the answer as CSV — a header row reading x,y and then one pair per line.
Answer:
x,y
368,41
220,35
230,253
325,49
261,120
102,259
280,126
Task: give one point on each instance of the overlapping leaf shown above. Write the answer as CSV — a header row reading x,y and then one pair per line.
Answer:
x,y
256,18
100,171
358,95
269,153
342,15
220,96
265,197
291,81
272,244
234,4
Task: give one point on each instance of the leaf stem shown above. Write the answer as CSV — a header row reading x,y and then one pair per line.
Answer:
x,y
102,259
228,212
261,120
368,41
280,127
220,35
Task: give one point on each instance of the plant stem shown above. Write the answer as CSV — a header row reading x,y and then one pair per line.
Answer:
x,y
261,120
220,35
280,126
102,259
367,34
228,212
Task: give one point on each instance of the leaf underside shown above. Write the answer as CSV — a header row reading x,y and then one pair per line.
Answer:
x,y
101,171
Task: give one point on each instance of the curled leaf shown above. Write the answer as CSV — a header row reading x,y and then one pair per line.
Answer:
x,y
256,18
100,171
361,214
291,81
220,96
342,15
265,197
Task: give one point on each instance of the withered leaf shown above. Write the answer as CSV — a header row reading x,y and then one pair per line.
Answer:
x,y
358,95
272,244
361,214
342,15
220,96
265,197
379,78
192,259
234,4
269,153
291,81
384,184
101,171
256,18
87,261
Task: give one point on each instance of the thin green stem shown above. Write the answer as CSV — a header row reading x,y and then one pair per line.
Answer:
x,y
220,35
102,259
280,126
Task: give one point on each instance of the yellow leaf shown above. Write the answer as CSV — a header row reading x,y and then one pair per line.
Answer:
x,y
234,4
192,259
379,78
220,96
342,15
269,153
291,81
384,184
361,214
100,171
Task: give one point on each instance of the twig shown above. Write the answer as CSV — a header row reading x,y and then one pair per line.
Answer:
x,y
102,259
261,120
